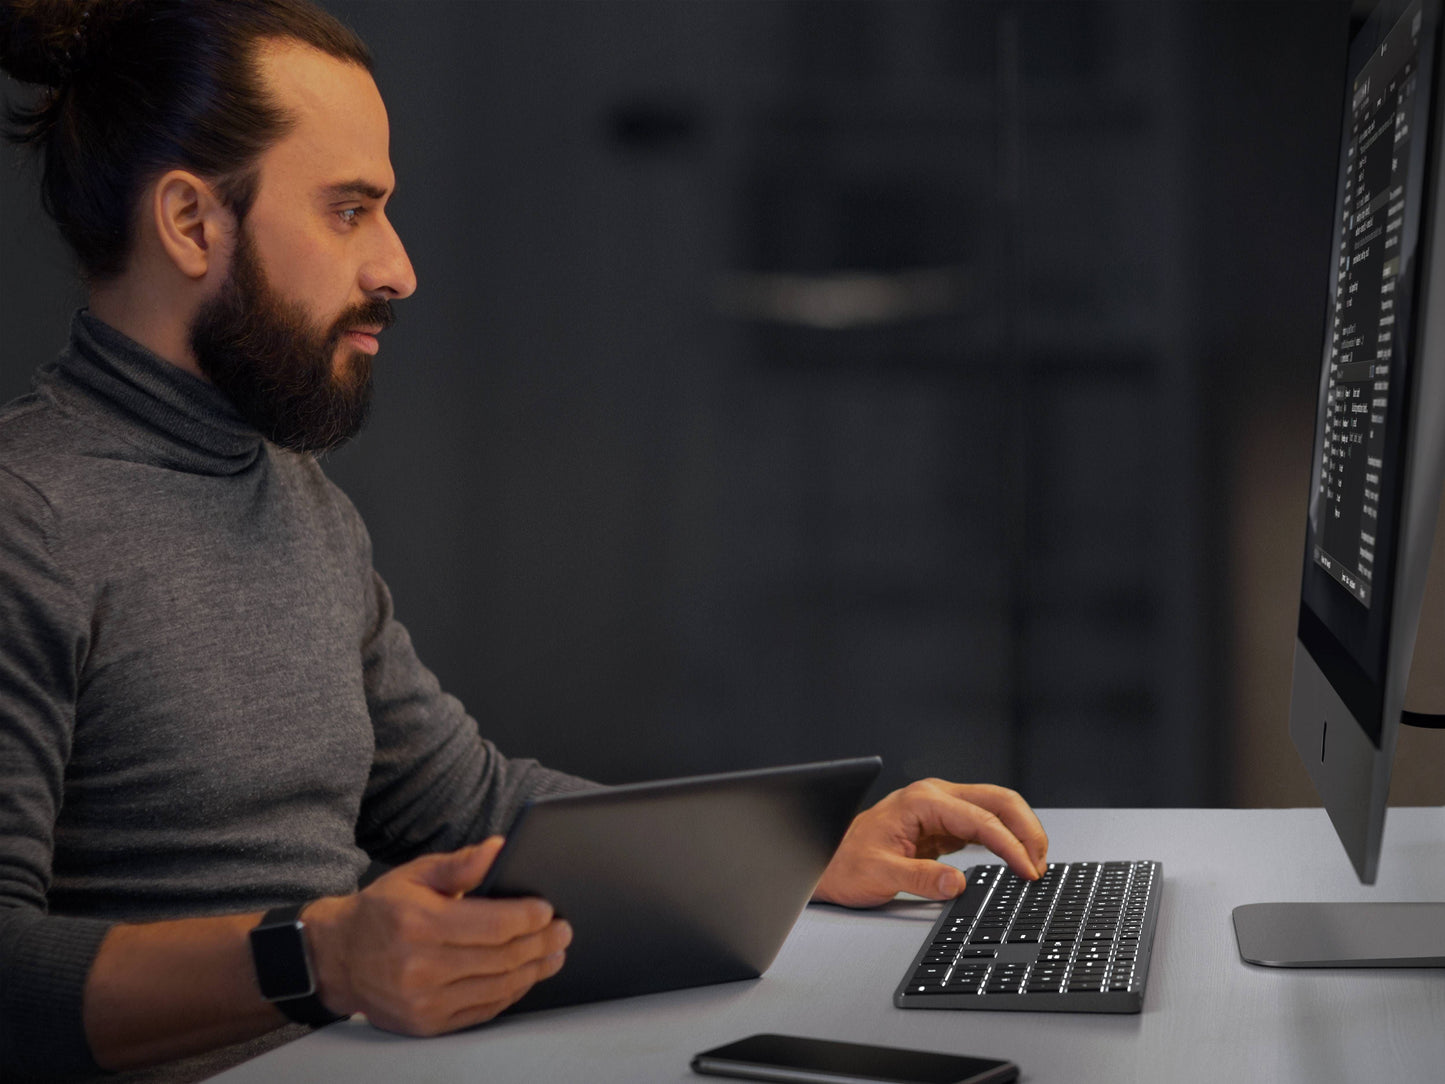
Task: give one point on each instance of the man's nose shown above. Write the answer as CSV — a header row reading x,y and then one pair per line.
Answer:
x,y
389,271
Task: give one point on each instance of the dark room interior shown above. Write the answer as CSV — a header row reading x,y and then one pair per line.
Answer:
x,y
795,380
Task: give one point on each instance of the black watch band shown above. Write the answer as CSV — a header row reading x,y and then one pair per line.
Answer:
x,y
283,966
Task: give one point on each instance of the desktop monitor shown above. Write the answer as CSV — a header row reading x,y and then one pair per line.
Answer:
x,y
1375,487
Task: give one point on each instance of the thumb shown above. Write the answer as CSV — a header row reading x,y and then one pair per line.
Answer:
x,y
931,880
459,872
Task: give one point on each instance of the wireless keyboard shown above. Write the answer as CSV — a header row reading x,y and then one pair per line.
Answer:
x,y
1075,940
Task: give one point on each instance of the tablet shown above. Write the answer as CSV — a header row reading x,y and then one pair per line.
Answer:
x,y
682,882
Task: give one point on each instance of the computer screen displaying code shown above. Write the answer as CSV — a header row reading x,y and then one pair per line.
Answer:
x,y
1363,330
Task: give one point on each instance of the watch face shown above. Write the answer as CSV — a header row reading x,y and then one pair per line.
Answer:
x,y
281,964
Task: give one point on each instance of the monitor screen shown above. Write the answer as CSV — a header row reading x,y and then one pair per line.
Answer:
x,y
1365,379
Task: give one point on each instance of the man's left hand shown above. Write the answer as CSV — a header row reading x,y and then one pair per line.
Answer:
x,y
891,847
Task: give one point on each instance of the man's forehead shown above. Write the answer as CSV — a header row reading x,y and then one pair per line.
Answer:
x,y
340,134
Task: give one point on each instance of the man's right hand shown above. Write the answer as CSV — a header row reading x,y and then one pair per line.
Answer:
x,y
411,950
417,955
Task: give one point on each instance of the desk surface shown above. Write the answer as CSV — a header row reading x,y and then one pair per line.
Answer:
x,y
1207,1016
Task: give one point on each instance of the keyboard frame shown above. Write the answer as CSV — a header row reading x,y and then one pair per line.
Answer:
x,y
1105,1001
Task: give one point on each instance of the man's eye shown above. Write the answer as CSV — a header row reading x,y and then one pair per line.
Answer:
x,y
350,215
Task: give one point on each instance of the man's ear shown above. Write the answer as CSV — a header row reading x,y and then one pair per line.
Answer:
x,y
193,226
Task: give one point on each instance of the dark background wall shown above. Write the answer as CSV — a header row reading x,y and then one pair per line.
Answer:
x,y
790,380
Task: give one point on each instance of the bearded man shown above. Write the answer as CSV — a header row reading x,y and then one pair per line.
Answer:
x,y
207,708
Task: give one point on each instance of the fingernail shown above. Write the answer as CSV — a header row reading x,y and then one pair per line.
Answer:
x,y
948,883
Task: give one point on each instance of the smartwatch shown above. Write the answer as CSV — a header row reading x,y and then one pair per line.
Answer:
x,y
283,967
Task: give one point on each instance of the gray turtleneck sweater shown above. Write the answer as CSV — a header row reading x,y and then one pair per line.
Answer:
x,y
206,705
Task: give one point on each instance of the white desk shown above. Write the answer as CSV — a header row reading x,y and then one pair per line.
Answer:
x,y
1207,1016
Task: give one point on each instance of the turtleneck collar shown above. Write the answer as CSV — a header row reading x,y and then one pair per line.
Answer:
x,y
188,423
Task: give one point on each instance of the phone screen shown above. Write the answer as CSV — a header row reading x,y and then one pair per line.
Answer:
x,y
791,1058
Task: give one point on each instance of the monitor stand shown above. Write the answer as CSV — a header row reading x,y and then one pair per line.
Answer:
x,y
1341,934
1345,934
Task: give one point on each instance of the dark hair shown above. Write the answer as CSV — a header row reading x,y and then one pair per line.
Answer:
x,y
133,88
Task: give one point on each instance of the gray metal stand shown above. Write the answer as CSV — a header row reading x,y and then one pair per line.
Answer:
x,y
1341,934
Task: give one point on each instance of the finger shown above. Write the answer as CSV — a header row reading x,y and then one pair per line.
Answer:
x,y
460,871
1016,814
929,879
481,998
465,962
942,811
486,922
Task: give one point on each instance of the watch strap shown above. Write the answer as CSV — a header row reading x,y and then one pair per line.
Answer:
x,y
283,966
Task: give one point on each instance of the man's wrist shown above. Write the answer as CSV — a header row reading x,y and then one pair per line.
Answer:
x,y
325,920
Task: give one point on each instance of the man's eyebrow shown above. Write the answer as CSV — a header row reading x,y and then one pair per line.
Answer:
x,y
353,190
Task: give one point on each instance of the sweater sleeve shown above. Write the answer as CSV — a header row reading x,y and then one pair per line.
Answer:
x,y
44,634
435,783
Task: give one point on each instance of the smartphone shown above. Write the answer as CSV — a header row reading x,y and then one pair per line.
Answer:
x,y
823,1061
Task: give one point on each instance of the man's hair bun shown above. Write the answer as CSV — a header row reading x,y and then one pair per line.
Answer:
x,y
47,42
123,90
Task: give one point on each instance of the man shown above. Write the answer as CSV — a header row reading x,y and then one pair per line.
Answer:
x,y
206,707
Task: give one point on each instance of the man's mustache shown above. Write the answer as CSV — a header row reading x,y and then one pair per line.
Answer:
x,y
374,313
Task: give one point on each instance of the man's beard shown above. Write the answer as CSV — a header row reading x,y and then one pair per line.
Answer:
x,y
277,366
